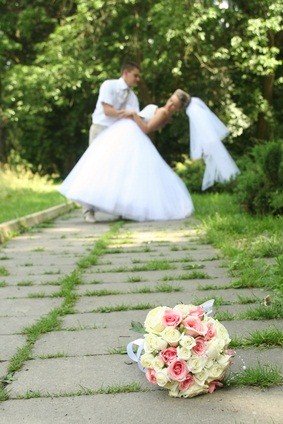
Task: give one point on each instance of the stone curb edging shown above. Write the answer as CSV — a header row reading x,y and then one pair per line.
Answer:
x,y
10,228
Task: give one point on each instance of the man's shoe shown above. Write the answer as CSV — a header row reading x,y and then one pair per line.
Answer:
x,y
89,216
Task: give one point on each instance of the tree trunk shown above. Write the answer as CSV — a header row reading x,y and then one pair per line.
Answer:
x,y
263,129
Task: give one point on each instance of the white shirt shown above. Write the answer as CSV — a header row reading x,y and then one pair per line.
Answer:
x,y
114,93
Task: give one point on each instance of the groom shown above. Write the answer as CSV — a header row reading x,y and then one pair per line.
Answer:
x,y
116,100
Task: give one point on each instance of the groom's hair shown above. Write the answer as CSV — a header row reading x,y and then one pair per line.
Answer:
x,y
129,66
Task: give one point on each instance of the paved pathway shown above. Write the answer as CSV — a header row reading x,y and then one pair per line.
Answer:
x,y
85,354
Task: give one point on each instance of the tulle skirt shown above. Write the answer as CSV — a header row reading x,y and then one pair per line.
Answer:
x,y
122,173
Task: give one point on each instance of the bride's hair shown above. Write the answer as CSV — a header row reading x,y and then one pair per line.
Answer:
x,y
184,97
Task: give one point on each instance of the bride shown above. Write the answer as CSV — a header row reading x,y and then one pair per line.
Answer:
x,y
122,173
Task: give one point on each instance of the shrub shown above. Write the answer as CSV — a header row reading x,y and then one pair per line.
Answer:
x,y
259,187
192,173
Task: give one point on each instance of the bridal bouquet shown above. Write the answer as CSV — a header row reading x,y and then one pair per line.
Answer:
x,y
184,350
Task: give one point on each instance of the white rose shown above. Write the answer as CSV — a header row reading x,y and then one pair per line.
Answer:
x,y
201,377
153,322
196,364
157,364
183,309
216,372
222,333
214,348
171,335
187,341
162,377
146,360
173,389
195,390
153,343
224,360
184,353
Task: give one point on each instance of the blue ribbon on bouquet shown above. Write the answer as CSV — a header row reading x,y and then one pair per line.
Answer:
x,y
139,343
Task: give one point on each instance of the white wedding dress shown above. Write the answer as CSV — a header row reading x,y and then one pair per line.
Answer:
x,y
122,173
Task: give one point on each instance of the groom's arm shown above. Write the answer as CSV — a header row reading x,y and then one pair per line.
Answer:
x,y
109,110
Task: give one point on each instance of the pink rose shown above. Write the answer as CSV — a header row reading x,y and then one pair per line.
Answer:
x,y
197,311
178,370
194,326
211,331
171,318
200,347
213,385
188,382
168,355
151,375
230,352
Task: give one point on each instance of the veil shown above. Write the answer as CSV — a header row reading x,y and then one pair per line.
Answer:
x,y
206,133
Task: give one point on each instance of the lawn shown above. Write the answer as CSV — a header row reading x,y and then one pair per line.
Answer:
x,y
25,193
252,245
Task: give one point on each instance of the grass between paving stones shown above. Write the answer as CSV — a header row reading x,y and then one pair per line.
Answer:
x,y
245,241
190,276
269,337
109,390
3,272
262,376
153,265
124,307
52,321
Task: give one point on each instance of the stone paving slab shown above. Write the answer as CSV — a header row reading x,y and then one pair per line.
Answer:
x,y
19,292
168,299
89,319
121,277
27,307
59,375
177,268
12,325
9,345
100,341
85,342
130,286
249,406
3,371
41,279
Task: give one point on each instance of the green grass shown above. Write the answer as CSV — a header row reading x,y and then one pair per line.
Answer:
x,y
25,283
154,265
244,240
269,337
103,292
3,284
84,391
4,272
262,376
195,275
224,316
124,307
134,279
37,295
212,287
24,193
272,311
159,288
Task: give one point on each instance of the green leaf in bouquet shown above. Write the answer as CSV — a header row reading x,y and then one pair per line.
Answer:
x,y
137,327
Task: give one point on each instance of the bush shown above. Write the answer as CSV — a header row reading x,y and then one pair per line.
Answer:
x,y
192,173
259,187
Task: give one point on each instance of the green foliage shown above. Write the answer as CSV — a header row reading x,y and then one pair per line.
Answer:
x,y
259,187
55,55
